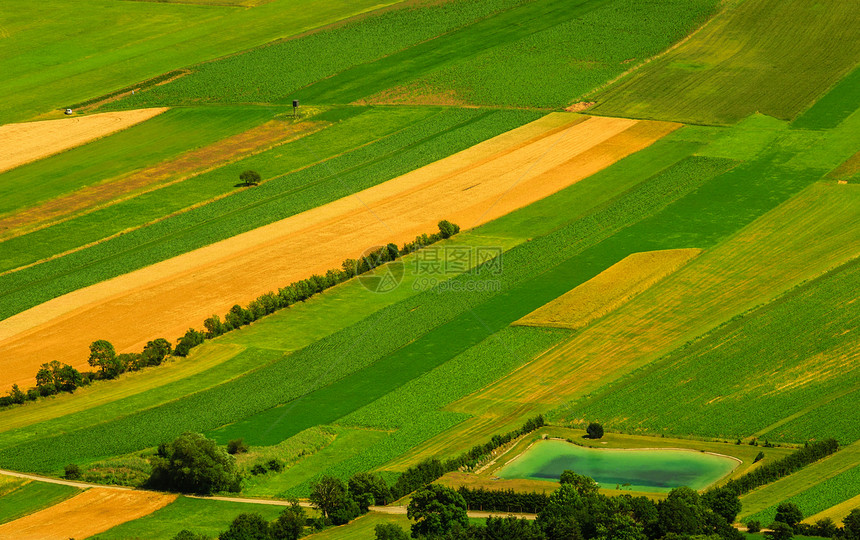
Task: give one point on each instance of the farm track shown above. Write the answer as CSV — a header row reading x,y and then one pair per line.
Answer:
x,y
29,141
500,175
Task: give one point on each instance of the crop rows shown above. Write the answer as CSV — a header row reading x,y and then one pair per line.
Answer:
x,y
343,175
835,106
554,67
723,384
276,72
819,497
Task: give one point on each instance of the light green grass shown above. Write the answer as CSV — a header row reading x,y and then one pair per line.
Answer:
x,y
364,527
28,497
200,516
101,46
754,57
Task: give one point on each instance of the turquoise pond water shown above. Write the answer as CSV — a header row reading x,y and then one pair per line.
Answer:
x,y
638,470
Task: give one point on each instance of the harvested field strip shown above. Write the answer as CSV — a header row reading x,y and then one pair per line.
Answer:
x,y
307,370
23,143
161,138
752,57
412,143
834,107
93,511
848,171
609,289
800,481
27,497
409,206
194,162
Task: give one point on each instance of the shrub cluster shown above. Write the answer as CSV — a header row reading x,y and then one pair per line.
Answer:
x,y
771,472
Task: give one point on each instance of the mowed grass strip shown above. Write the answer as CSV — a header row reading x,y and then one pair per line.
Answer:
x,y
752,57
25,497
609,289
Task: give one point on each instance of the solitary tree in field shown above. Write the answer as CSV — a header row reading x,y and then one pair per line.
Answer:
x,y
250,178
594,430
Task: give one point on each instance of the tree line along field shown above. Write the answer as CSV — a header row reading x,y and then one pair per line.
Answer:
x,y
363,150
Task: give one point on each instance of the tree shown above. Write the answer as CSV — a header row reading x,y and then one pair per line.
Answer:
x,y
447,229
583,485
594,430
237,446
328,494
250,178
620,527
194,464
185,534
72,472
155,352
290,523
250,526
788,513
436,510
370,483
759,457
680,512
558,519
851,525
723,502
825,528
16,396
781,531
102,356
390,531
753,526
191,339
512,528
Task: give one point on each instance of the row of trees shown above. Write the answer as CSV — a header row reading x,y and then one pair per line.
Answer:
x,y
430,470
770,472
54,377
787,523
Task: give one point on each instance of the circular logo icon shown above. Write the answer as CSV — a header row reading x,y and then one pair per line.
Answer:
x,y
379,269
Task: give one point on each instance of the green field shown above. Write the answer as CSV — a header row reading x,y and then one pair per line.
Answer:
x,y
751,58
754,339
127,42
448,52
19,498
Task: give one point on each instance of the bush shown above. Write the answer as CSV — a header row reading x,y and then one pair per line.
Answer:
x,y
250,526
594,430
250,178
275,465
237,446
191,339
788,513
72,472
758,457
290,523
390,531
753,526
194,464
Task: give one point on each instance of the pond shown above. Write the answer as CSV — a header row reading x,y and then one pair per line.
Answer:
x,y
654,470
